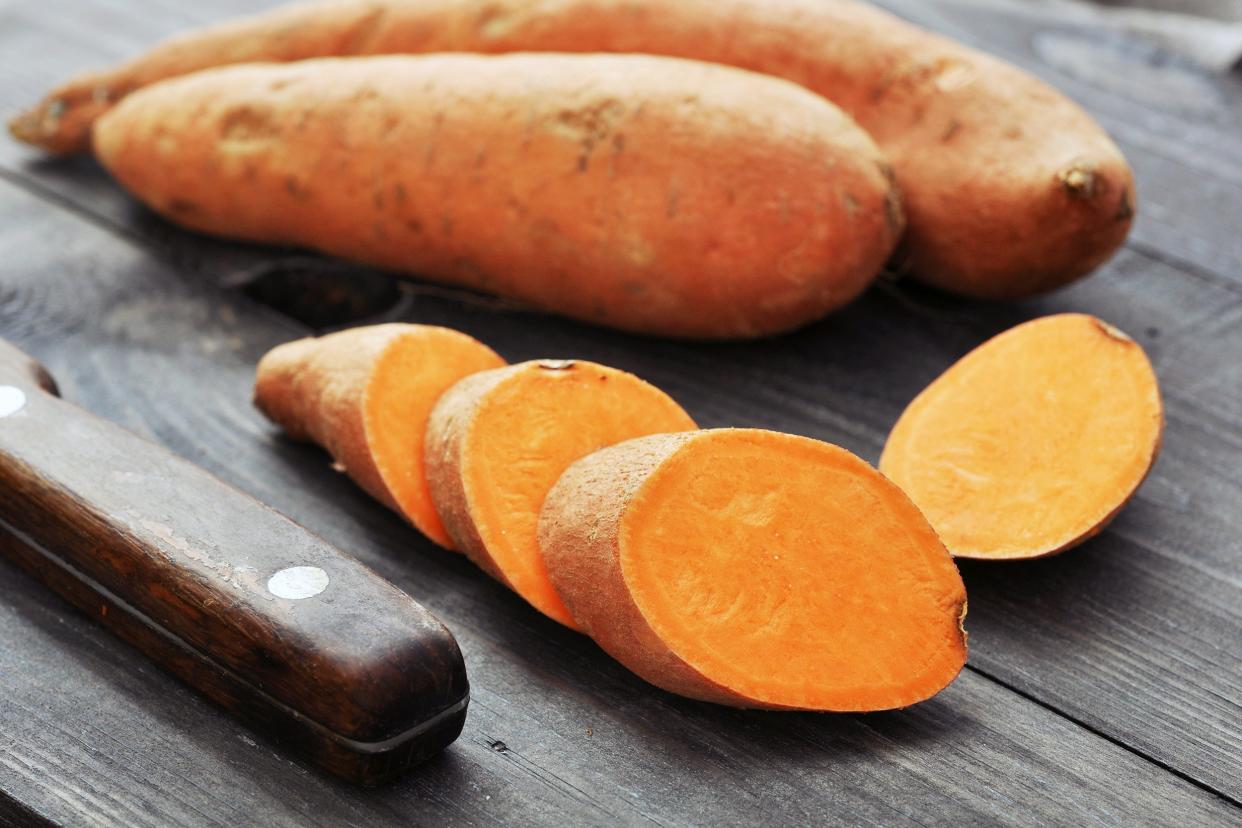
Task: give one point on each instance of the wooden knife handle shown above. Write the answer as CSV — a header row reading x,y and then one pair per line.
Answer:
x,y
260,615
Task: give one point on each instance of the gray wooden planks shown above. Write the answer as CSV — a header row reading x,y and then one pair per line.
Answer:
x,y
556,731
1135,635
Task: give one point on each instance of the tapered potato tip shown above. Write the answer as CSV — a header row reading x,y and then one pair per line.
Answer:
x,y
1032,442
365,395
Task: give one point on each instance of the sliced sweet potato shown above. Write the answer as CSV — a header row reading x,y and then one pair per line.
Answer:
x,y
497,441
756,569
1032,442
365,395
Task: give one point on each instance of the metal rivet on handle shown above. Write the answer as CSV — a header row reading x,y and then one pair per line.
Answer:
x,y
298,582
12,400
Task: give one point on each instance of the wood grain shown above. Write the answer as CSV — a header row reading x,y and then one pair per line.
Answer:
x,y
1136,637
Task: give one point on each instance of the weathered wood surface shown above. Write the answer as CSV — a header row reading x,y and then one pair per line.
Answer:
x,y
1105,684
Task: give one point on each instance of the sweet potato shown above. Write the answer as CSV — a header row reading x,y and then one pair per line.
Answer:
x,y
756,569
497,441
651,194
1011,188
1032,442
365,395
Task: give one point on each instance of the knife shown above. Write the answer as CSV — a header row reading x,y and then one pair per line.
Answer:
x,y
264,618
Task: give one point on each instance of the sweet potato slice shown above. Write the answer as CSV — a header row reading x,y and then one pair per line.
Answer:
x,y
756,569
497,442
1032,442
365,395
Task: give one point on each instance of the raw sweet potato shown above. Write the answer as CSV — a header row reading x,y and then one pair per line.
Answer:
x,y
756,569
365,395
1011,188
1032,442
497,441
646,193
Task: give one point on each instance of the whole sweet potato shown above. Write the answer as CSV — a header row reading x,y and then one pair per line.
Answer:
x,y
1011,189
647,193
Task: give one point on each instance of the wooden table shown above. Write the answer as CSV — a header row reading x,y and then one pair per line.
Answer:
x,y
1104,686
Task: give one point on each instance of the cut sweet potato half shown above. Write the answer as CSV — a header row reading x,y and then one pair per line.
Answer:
x,y
498,441
1032,442
756,569
365,395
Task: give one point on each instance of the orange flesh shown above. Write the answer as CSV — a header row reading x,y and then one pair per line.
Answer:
x,y
530,429
793,574
408,378
1031,442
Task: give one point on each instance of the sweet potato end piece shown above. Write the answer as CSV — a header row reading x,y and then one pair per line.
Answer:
x,y
1032,442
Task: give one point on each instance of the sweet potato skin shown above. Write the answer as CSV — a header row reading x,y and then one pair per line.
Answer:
x,y
446,433
333,420
579,528
650,194
1011,188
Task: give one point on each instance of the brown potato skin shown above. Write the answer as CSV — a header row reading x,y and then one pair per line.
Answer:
x,y
645,193
1011,188
447,430
288,391
579,531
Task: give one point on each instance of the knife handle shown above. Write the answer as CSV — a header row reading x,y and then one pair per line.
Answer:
x,y
261,616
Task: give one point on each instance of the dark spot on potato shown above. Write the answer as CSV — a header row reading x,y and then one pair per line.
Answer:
x,y
886,81
294,188
399,194
886,170
446,226
472,273
588,125
954,127
183,206
414,225
894,215
1125,210
248,123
